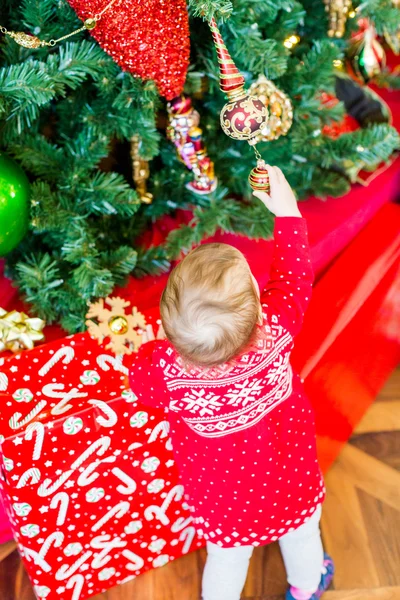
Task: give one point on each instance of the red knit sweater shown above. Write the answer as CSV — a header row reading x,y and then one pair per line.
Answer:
x,y
243,434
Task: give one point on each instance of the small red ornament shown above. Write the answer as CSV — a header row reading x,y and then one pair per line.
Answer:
x,y
259,178
149,39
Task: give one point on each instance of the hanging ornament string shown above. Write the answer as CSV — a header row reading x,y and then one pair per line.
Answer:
x,y
31,41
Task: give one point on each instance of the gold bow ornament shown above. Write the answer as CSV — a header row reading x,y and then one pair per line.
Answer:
x,y
18,331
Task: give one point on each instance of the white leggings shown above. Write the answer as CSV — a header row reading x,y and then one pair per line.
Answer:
x,y
225,571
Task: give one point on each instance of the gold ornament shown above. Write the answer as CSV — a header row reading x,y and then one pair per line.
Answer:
x,y
19,331
141,172
279,106
31,41
338,14
124,330
90,23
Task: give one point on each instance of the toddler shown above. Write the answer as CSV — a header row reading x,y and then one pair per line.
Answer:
x,y
241,427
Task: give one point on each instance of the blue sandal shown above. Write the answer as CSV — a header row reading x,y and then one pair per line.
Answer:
x,y
326,578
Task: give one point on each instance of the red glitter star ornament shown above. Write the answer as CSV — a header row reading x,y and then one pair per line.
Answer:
x,y
149,38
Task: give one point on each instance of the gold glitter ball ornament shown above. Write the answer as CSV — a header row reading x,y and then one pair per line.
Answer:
x,y
118,325
279,106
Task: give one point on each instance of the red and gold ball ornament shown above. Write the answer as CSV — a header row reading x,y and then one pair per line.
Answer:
x,y
259,178
262,114
243,116
279,106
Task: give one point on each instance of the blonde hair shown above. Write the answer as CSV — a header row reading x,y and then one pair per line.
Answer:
x,y
210,306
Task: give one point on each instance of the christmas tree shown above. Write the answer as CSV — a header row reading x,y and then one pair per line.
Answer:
x,y
68,114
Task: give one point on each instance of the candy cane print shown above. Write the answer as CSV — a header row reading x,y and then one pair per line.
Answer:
x,y
175,493
134,446
155,512
108,411
3,382
47,488
15,422
118,511
37,559
65,571
33,474
130,484
105,360
187,536
99,446
161,431
136,561
158,512
181,523
61,499
103,543
54,539
37,428
49,390
77,582
65,354
87,476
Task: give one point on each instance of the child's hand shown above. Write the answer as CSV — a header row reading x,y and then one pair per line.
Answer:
x,y
281,200
148,335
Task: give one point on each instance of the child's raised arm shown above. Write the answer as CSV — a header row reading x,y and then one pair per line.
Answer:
x,y
291,276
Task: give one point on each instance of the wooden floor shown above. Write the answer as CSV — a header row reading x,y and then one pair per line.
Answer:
x,y
360,525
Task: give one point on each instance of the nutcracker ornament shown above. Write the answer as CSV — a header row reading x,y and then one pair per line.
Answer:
x,y
184,131
338,11
140,171
244,116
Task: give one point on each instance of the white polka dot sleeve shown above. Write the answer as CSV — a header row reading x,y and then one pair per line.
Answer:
x,y
146,376
291,276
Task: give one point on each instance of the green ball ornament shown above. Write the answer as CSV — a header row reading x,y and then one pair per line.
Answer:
x,y
14,204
